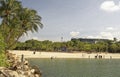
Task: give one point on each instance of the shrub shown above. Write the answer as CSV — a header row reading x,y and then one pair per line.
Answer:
x,y
3,61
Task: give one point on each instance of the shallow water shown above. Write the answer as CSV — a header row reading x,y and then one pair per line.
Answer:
x,y
78,67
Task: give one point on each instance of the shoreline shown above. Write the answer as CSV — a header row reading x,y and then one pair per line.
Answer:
x,y
32,54
19,67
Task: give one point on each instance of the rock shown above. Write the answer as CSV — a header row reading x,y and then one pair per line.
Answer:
x,y
22,75
13,74
9,73
33,71
29,73
37,71
1,75
36,75
2,68
25,62
2,72
19,68
26,67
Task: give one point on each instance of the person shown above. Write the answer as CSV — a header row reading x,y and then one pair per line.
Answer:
x,y
110,57
34,52
51,57
22,58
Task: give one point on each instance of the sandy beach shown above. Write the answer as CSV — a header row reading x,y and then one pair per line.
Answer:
x,y
30,54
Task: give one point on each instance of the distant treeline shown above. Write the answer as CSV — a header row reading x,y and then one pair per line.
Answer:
x,y
69,46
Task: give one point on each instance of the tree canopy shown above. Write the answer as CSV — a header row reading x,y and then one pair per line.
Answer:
x,y
17,21
69,46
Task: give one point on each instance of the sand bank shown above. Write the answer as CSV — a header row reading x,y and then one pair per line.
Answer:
x,y
31,54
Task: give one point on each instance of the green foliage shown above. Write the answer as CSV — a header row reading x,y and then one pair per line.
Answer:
x,y
17,21
2,44
106,46
87,47
101,47
3,61
113,48
56,46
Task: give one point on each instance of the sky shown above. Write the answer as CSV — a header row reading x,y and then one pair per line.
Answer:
x,y
68,19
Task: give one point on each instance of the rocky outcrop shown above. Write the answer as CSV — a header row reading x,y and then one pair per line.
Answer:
x,y
19,67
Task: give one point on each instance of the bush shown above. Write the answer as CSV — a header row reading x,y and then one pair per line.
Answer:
x,y
3,61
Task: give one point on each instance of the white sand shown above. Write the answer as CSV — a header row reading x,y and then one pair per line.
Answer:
x,y
29,54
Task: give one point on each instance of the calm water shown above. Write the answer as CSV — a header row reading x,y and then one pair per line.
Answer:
x,y
78,67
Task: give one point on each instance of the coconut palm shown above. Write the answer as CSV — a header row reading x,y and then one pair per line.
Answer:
x,y
29,20
17,21
8,10
8,14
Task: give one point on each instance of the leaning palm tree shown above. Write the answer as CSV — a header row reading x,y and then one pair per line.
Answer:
x,y
8,14
29,20
8,10
17,21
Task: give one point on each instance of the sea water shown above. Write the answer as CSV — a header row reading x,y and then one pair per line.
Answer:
x,y
78,67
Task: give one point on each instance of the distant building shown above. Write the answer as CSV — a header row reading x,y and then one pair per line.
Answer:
x,y
89,40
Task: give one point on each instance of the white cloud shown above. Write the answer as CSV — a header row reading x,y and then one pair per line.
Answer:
x,y
94,37
74,34
35,38
28,37
110,28
108,33
24,38
103,35
110,6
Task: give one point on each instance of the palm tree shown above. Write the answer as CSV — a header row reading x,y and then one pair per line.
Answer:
x,y
17,21
29,20
8,9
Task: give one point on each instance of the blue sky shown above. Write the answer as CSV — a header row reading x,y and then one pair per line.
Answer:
x,y
76,18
